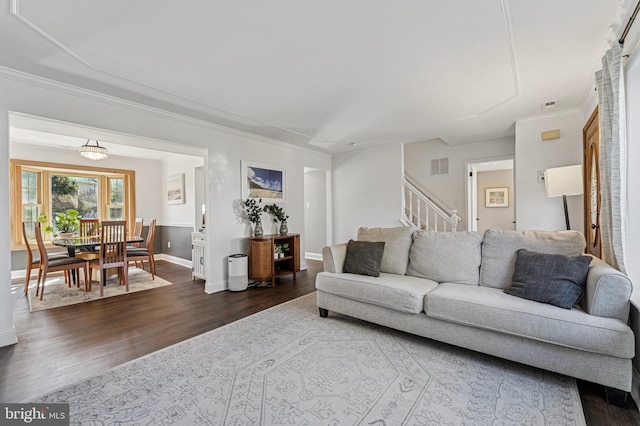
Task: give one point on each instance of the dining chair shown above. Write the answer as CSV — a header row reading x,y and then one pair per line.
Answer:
x,y
141,254
34,261
137,232
47,265
113,253
88,228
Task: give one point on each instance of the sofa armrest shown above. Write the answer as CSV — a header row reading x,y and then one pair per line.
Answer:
x,y
333,258
607,291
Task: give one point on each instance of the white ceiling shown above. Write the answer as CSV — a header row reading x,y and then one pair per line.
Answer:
x,y
330,75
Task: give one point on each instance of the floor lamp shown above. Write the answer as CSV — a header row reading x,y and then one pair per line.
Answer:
x,y
563,181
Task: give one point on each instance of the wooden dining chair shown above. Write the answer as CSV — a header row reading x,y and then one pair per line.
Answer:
x,y
113,253
47,265
34,261
135,254
88,228
137,232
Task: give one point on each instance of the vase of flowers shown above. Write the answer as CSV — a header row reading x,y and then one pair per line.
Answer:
x,y
254,215
279,215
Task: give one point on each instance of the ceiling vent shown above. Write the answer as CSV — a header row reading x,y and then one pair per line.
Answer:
x,y
549,104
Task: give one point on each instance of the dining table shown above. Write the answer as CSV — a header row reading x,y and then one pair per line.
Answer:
x,y
89,243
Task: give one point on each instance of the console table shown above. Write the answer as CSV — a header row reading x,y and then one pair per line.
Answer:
x,y
265,266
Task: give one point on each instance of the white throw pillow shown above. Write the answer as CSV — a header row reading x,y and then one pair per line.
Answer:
x,y
396,248
452,257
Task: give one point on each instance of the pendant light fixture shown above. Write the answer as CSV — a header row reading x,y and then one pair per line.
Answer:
x,y
93,152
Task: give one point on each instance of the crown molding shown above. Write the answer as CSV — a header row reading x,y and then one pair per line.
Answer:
x,y
68,89
548,115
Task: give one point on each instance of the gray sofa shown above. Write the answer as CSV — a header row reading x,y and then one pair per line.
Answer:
x,y
450,287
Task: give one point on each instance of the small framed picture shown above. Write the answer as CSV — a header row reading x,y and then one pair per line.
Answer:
x,y
496,197
175,189
264,181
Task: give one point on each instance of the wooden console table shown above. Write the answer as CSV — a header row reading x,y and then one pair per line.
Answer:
x,y
264,266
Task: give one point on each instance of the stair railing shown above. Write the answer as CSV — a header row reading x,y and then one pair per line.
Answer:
x,y
422,210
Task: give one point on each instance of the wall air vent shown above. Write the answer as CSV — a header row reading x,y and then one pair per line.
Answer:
x,y
549,104
439,166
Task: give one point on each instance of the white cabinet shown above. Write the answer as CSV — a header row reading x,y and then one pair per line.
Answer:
x,y
197,255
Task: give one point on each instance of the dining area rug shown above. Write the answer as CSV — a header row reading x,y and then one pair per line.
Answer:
x,y
58,293
308,370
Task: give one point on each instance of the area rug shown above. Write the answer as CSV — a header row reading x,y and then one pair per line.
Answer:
x,y
288,366
57,293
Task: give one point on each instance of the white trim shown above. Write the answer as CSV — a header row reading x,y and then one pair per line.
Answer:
x,y
312,256
173,259
8,336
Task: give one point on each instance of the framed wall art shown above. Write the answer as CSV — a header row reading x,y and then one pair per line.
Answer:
x,y
175,189
264,181
496,197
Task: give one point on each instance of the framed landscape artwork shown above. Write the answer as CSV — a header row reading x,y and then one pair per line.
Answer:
x,y
496,197
263,181
175,189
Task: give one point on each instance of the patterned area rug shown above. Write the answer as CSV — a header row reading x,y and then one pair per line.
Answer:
x,y
57,293
288,366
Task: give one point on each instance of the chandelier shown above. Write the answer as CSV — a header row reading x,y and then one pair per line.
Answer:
x,y
93,152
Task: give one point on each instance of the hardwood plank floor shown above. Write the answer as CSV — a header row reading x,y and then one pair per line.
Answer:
x,y
64,345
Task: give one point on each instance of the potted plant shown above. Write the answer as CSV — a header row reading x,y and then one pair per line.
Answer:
x,y
279,215
285,249
277,252
64,223
254,214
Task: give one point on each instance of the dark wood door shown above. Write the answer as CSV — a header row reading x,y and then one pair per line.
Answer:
x,y
591,157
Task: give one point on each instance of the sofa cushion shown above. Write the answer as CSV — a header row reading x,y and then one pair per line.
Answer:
x,y
492,309
499,249
446,256
363,257
401,293
396,248
549,278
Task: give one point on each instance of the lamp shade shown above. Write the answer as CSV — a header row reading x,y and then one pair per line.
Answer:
x,y
561,181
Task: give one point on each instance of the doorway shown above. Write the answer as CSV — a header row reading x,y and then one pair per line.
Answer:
x,y
317,208
484,178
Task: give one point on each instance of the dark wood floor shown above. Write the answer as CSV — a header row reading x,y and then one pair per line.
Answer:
x,y
61,346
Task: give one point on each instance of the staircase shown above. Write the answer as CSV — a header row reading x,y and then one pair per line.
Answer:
x,y
422,210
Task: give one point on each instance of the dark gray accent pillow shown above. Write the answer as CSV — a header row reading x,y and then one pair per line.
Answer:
x,y
364,257
549,278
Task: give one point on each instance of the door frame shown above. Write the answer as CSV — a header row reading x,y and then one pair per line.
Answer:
x,y
471,188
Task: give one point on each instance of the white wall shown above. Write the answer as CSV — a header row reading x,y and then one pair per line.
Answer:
x,y
450,188
366,190
226,148
495,217
179,214
534,210
149,179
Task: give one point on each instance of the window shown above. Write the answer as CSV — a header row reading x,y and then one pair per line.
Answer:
x,y
49,188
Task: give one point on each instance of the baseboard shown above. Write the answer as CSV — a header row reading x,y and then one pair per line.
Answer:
x,y
177,260
22,272
635,387
312,256
8,336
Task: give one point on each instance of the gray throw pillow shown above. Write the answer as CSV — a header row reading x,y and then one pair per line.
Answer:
x,y
549,278
364,257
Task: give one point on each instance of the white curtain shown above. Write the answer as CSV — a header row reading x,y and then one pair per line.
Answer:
x,y
613,158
